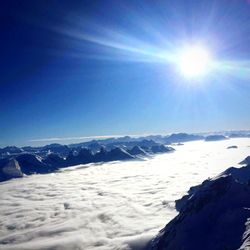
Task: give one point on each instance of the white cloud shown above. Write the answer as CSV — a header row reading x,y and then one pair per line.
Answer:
x,y
107,206
81,138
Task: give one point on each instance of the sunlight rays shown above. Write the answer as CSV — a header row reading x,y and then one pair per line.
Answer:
x,y
110,43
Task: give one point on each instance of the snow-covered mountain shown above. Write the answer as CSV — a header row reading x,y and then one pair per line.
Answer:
x,y
137,150
125,142
213,215
31,163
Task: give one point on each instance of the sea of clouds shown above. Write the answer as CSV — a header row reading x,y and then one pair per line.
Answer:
x,y
119,205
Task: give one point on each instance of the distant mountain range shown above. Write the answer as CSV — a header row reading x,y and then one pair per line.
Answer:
x,y
16,162
125,142
19,164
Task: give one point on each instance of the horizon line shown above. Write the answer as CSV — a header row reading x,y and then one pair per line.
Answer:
x,y
123,135
87,137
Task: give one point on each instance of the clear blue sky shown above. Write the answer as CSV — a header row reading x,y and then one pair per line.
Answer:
x,y
83,68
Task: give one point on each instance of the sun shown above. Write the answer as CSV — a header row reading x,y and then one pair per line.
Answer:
x,y
194,61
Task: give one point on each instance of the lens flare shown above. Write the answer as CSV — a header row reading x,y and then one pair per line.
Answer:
x,y
194,61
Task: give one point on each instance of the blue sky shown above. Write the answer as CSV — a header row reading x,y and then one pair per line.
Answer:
x,y
85,68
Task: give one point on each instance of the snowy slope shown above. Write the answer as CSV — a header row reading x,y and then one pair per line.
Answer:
x,y
212,216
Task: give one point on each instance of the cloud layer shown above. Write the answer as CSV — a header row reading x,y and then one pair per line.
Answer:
x,y
117,205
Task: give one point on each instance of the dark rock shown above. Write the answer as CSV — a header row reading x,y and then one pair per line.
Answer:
x,y
31,164
182,137
10,169
215,138
136,150
161,149
245,161
119,154
102,155
84,156
54,160
116,154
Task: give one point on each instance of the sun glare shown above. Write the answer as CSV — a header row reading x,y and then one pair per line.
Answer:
x,y
194,61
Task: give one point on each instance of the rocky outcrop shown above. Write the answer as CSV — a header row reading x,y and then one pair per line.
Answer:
x,y
10,169
54,160
246,161
215,138
182,137
102,155
137,150
82,157
95,147
161,149
55,148
116,154
11,150
33,164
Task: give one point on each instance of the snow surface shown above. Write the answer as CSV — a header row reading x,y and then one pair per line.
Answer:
x,y
118,205
212,216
